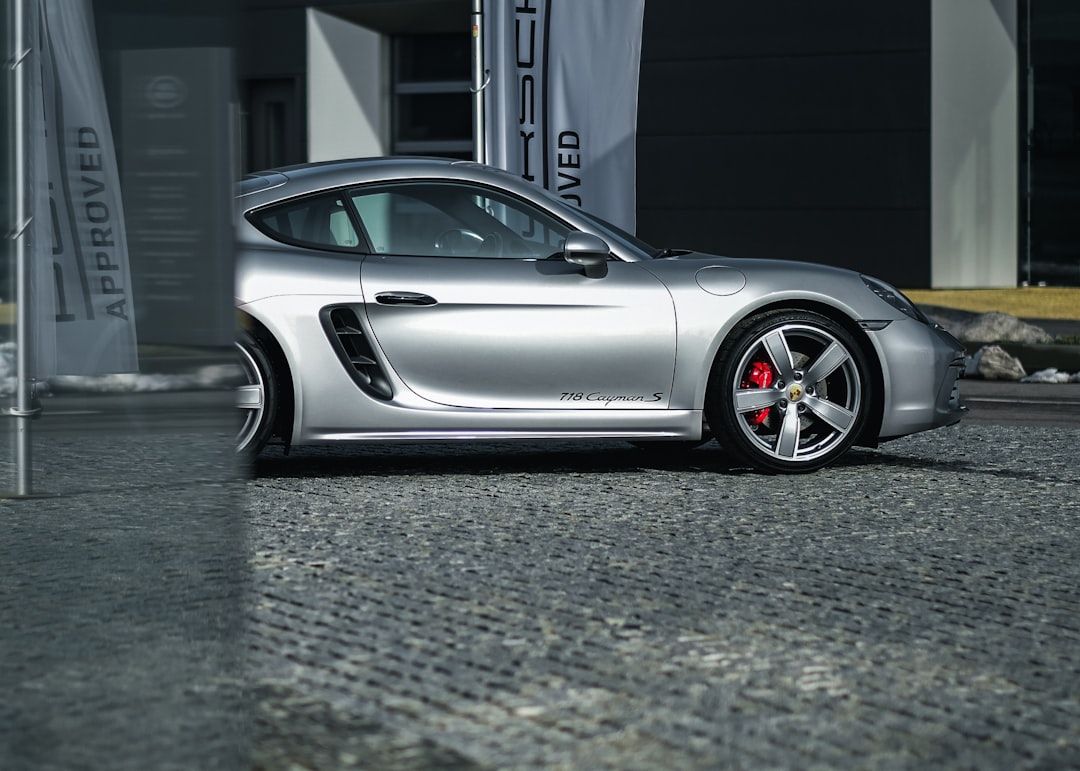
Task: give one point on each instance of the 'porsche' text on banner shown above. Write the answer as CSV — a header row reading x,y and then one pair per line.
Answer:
x,y
561,107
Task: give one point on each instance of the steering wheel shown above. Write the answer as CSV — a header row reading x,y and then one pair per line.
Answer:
x,y
491,247
458,242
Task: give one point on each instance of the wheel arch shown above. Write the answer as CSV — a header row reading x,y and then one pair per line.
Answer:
x,y
872,429
283,421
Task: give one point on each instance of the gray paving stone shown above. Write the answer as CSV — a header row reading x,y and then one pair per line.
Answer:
x,y
555,606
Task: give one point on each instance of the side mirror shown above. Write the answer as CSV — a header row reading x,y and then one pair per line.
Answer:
x,y
589,251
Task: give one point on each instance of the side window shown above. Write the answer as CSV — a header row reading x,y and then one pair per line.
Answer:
x,y
399,223
537,232
442,219
320,221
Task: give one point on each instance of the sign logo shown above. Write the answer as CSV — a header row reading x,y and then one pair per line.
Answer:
x,y
166,92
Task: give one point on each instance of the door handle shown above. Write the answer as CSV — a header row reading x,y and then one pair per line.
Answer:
x,y
404,298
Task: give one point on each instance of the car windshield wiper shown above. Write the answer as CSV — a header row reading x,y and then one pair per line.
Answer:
x,y
669,252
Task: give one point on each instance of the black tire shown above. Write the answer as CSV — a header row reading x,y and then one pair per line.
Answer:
x,y
258,398
789,393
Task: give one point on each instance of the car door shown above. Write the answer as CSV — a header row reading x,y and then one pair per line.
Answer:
x,y
473,306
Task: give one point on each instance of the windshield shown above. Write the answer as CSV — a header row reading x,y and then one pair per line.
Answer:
x,y
620,234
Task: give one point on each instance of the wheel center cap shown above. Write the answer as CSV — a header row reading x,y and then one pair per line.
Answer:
x,y
795,392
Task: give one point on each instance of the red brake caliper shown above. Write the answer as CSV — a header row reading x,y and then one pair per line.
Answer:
x,y
761,375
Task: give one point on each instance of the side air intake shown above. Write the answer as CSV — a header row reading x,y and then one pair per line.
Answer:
x,y
351,344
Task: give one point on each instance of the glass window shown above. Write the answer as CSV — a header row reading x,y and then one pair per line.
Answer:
x,y
1050,142
432,106
433,58
321,222
427,120
450,220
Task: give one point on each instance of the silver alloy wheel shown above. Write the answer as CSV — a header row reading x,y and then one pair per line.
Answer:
x,y
811,403
251,400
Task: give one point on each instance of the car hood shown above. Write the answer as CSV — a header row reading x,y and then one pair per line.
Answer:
x,y
703,259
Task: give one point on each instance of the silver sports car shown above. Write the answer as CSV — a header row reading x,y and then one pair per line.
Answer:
x,y
414,299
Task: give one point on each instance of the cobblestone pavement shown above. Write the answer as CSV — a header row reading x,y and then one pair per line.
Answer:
x,y
527,605
121,601
558,606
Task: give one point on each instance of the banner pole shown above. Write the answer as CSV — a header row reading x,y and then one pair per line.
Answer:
x,y
24,398
480,81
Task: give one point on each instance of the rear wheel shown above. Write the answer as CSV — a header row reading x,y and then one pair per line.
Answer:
x,y
789,393
257,398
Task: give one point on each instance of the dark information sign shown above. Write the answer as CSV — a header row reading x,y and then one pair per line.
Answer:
x,y
176,154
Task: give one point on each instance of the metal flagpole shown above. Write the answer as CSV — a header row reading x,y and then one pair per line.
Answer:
x,y
480,81
24,409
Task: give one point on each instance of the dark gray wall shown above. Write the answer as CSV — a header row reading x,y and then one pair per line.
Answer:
x,y
789,129
1051,34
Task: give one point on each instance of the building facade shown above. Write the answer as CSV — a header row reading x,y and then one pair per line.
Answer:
x,y
931,143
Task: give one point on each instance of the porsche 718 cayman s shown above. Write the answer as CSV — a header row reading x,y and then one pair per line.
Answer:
x,y
423,299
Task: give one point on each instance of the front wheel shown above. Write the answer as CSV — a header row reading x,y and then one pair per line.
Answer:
x,y
789,392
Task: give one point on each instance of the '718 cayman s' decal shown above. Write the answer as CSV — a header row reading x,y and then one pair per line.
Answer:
x,y
608,399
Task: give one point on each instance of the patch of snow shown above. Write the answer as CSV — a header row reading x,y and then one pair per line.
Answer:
x,y
209,377
1050,375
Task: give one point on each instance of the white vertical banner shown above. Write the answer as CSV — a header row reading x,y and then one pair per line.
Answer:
x,y
39,334
561,105
80,258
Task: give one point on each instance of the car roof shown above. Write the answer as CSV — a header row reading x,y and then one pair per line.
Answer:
x,y
308,177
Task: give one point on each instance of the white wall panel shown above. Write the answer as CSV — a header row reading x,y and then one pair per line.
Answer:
x,y
974,143
348,84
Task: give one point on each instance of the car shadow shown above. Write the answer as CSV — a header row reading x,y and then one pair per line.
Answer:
x,y
880,459
561,457
482,458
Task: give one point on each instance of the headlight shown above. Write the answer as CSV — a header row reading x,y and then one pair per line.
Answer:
x,y
895,298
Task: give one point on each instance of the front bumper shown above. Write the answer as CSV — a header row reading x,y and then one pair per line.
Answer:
x,y
922,366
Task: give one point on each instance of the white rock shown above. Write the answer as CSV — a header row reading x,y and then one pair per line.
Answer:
x,y
971,363
989,327
995,363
